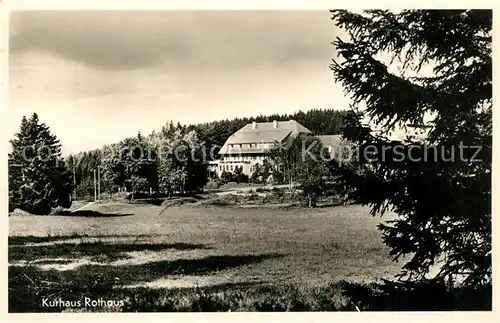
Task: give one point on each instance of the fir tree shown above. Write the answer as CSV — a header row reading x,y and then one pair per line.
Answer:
x,y
38,178
444,206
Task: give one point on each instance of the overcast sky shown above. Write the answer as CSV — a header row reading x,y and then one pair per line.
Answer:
x,y
97,77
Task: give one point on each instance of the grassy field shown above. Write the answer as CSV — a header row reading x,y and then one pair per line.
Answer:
x,y
195,258
306,246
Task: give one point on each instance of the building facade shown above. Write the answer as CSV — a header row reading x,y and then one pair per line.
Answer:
x,y
251,144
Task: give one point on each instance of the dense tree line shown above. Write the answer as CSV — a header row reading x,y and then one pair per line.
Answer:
x,y
161,171
164,162
318,121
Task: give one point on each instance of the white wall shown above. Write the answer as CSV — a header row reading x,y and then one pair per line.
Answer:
x,y
239,161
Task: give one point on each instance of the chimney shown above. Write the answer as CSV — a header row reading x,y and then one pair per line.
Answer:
x,y
254,125
275,124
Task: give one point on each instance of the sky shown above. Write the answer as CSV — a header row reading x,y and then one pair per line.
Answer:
x,y
96,77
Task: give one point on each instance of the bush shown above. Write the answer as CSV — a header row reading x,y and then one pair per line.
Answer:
x,y
237,176
178,201
278,192
213,183
226,177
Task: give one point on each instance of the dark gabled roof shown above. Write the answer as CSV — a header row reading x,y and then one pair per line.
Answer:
x,y
338,146
331,141
262,132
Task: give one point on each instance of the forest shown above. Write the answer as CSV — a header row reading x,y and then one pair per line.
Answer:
x,y
167,164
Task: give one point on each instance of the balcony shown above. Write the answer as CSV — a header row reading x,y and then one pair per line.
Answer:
x,y
234,162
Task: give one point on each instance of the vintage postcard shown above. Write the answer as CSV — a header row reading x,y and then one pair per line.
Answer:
x,y
249,160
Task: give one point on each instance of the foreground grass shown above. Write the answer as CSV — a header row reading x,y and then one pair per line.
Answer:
x,y
28,287
248,260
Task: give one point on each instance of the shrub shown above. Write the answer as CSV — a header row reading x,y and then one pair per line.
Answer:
x,y
213,183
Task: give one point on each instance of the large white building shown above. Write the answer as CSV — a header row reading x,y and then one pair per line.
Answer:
x,y
250,145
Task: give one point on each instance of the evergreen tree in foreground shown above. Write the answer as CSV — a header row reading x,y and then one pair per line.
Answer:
x,y
38,178
443,204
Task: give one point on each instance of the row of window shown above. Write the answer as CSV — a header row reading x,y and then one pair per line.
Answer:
x,y
230,168
253,168
243,157
227,168
254,145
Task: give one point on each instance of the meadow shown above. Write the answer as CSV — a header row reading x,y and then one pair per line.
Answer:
x,y
190,258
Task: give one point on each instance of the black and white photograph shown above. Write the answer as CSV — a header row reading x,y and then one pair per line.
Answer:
x,y
249,160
